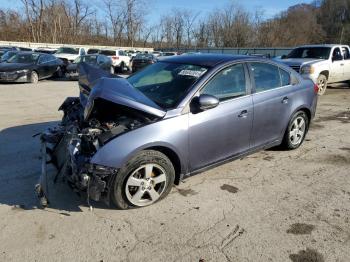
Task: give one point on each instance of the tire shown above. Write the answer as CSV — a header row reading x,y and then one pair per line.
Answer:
x,y
322,84
34,78
136,183
59,72
296,131
121,67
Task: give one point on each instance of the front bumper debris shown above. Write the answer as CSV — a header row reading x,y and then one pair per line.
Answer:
x,y
63,149
41,188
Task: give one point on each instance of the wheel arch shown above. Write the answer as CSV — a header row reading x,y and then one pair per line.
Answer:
x,y
174,158
301,108
325,73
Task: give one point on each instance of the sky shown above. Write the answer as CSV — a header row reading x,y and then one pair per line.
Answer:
x,y
156,8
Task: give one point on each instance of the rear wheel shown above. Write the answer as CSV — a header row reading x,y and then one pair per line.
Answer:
x,y
322,84
144,180
34,78
296,131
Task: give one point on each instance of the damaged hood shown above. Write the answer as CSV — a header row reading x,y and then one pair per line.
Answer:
x,y
121,92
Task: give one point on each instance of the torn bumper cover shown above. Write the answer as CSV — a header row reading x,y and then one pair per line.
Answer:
x,y
63,149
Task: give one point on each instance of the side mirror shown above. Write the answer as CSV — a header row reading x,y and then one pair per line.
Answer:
x,y
283,57
203,102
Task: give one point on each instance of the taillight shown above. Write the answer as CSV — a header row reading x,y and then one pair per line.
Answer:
x,y
316,88
115,57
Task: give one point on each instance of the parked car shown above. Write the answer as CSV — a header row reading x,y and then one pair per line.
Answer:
x,y
129,140
324,64
7,55
69,54
157,53
169,53
45,50
29,67
142,60
4,49
120,59
98,61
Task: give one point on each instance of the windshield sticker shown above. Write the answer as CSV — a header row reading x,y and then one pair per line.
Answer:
x,y
193,73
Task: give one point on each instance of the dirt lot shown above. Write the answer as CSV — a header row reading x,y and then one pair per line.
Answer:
x,y
270,206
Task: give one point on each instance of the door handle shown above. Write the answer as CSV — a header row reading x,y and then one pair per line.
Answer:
x,y
341,64
285,100
243,114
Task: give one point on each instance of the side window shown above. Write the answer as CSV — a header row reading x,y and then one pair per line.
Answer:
x,y
266,76
336,56
42,59
121,53
346,52
285,78
228,83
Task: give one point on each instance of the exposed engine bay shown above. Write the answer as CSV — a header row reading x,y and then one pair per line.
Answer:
x,y
81,133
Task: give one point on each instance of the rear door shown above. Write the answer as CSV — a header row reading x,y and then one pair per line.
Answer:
x,y
224,131
273,95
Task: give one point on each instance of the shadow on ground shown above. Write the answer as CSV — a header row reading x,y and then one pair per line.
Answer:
x,y
20,163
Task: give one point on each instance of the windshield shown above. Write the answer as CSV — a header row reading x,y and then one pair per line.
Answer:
x,y
24,58
67,50
89,59
166,83
310,52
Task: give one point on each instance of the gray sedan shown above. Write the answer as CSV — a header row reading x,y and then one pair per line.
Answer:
x,y
127,141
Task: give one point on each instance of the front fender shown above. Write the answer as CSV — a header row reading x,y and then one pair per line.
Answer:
x,y
171,133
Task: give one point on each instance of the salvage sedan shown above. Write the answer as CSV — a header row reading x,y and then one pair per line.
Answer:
x,y
129,140
29,67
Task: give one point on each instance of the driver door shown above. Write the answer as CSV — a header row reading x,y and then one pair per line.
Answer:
x,y
224,131
337,66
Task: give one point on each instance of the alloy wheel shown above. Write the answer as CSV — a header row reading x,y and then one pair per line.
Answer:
x,y
297,131
146,185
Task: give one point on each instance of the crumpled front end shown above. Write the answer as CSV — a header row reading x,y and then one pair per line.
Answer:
x,y
71,145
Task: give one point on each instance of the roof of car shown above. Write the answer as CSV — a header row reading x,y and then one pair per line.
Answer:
x,y
206,60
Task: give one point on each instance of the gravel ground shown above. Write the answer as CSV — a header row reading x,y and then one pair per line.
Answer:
x,y
270,206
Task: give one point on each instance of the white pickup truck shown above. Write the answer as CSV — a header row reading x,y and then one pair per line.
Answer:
x,y
324,64
120,59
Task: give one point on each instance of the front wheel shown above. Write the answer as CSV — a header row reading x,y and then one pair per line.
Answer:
x,y
34,78
296,131
322,84
145,179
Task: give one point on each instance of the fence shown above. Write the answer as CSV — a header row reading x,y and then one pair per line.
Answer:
x,y
48,45
271,52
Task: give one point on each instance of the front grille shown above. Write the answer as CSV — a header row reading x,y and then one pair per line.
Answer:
x,y
296,68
